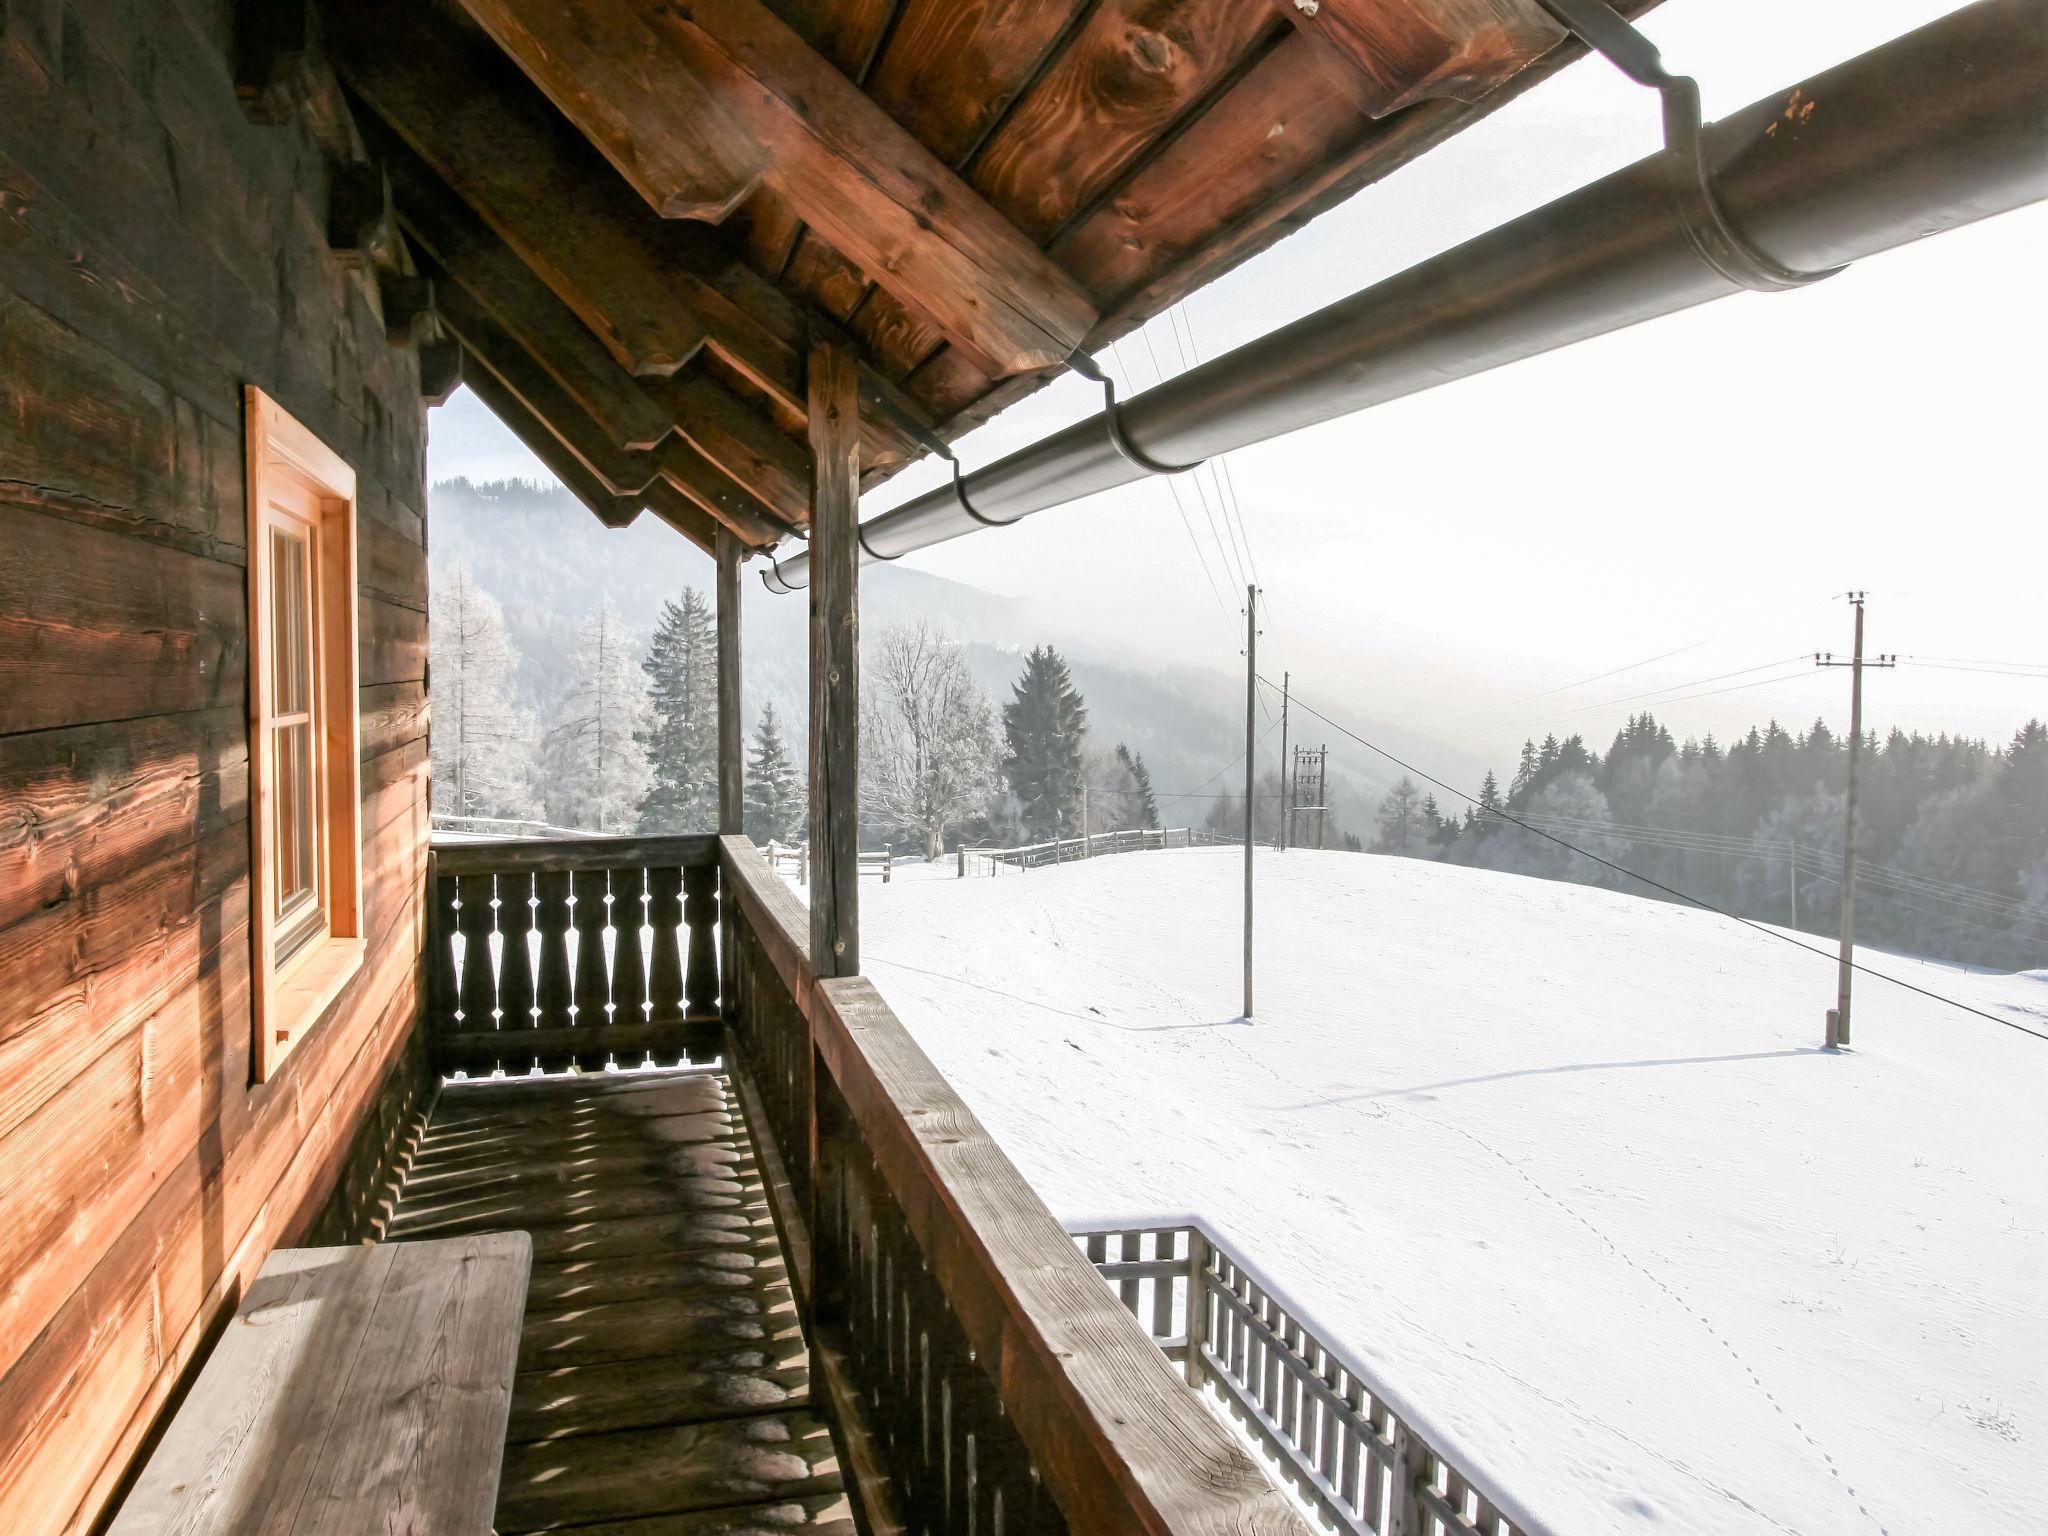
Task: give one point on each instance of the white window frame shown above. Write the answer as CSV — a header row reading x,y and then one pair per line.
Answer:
x,y
297,482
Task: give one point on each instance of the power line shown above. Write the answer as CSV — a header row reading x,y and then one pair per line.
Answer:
x,y
1531,698
1236,572
1950,666
1653,693
1187,527
1220,465
1195,793
1981,661
1657,885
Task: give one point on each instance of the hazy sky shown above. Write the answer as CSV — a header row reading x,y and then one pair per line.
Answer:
x,y
1443,559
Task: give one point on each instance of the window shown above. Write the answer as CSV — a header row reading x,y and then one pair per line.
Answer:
x,y
305,876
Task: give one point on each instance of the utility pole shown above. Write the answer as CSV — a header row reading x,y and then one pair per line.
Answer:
x,y
1838,1016
1286,766
1251,771
1086,847
1792,874
1323,796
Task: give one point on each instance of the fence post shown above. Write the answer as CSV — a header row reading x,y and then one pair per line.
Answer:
x,y
960,853
888,863
1406,1515
803,864
1198,1308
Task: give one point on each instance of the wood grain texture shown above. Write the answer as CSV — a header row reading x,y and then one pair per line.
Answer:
x,y
355,1389
834,596
868,187
1403,51
1133,68
156,253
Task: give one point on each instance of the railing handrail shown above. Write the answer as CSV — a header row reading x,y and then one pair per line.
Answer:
x,y
1419,1422
595,851
1117,1437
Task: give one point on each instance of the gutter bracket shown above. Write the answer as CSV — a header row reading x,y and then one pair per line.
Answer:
x,y
1717,242
932,443
1113,421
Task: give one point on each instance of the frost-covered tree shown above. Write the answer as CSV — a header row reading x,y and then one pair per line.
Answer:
x,y
775,789
1226,817
681,735
1146,807
1119,792
1045,728
596,768
1402,825
482,741
928,746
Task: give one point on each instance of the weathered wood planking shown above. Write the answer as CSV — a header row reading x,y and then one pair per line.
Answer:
x,y
834,596
156,252
726,67
355,1388
662,1372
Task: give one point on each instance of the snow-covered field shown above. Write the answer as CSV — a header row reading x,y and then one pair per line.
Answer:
x,y
1564,1166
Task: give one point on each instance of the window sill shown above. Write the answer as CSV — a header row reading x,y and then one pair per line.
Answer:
x,y
305,996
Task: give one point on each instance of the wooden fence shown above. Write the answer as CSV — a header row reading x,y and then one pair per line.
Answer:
x,y
558,952
987,861
795,858
1355,1453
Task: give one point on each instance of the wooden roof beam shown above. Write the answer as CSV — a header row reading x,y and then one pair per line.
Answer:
x,y
611,510
725,430
475,260
497,351
653,292
660,89
693,476
1402,51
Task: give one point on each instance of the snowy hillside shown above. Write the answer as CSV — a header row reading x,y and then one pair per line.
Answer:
x,y
1564,1166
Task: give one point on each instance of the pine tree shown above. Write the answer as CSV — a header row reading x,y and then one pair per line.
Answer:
x,y
1045,726
681,737
775,791
1147,805
482,743
596,767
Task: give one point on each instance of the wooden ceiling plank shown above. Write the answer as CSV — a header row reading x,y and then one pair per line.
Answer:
x,y
952,67
623,473
1404,51
476,260
611,510
1130,71
654,292
733,436
753,520
863,183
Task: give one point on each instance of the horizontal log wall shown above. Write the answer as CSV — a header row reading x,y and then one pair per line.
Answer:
x,y
157,252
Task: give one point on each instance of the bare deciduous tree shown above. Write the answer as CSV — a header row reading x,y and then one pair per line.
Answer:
x,y
928,745
482,742
597,769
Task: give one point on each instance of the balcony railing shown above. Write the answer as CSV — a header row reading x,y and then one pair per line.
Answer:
x,y
1351,1449
979,1376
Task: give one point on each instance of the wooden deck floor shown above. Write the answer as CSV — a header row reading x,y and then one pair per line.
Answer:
x,y
662,1387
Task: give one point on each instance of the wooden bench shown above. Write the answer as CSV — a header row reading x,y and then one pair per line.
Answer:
x,y
356,1390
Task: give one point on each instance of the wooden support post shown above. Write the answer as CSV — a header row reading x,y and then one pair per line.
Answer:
x,y
1251,772
1198,1308
1406,1514
731,761
834,396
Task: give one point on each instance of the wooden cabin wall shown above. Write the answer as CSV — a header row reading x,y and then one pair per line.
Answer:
x,y
157,252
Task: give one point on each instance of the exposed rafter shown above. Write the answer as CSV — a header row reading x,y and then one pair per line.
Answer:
x,y
496,350
1402,51
611,510
662,89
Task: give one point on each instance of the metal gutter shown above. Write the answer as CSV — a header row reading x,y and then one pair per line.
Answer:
x,y
1937,129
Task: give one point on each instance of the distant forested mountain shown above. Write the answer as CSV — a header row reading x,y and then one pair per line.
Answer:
x,y
547,562
1952,837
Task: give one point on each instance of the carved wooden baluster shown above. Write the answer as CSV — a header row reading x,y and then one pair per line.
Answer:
x,y
515,971
593,986
479,993
441,983
700,980
629,962
665,964
551,994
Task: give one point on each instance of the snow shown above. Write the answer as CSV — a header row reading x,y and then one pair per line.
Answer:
x,y
1565,1167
